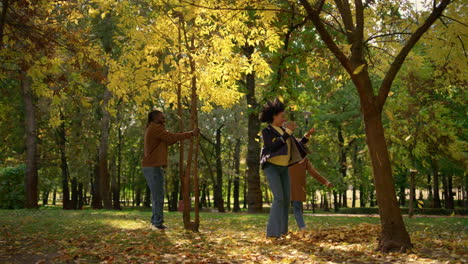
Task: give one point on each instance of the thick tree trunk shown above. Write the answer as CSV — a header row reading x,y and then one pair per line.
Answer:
x,y
96,203
394,235
254,194
31,176
104,176
61,138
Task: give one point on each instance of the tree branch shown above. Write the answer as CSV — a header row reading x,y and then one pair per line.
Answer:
x,y
400,58
314,16
347,17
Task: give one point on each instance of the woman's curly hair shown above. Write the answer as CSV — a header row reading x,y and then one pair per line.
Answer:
x,y
270,109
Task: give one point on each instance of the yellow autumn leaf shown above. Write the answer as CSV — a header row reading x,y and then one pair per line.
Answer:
x,y
359,69
389,115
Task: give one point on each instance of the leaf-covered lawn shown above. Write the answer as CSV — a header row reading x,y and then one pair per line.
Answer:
x,y
56,236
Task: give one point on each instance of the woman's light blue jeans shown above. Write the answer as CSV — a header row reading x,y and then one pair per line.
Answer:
x,y
278,179
297,209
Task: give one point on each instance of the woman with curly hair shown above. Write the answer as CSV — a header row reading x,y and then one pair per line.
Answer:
x,y
280,150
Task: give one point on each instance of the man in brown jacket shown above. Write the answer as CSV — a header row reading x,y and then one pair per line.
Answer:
x,y
156,141
297,175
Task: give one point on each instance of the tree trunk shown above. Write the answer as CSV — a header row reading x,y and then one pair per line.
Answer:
x,y
45,198
81,196
254,194
54,197
450,202
343,166
412,194
61,138
104,176
74,194
402,195
236,177
354,197
394,235
96,203
147,199
31,176
435,170
218,191
138,196
228,198
192,159
116,182
326,207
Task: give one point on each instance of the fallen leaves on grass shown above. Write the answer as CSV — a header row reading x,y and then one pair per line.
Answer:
x,y
228,238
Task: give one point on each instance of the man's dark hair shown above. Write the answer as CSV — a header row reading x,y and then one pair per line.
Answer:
x,y
152,115
270,109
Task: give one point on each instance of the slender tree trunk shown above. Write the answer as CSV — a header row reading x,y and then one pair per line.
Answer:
x,y
74,193
138,196
254,194
412,193
228,198
31,176
81,196
362,200
343,166
236,177
218,191
5,6
354,197
147,199
326,207
450,194
116,177
181,128
335,201
402,195
192,159
45,198
435,170
54,197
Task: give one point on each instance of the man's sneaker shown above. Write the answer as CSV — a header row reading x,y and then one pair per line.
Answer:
x,y
161,227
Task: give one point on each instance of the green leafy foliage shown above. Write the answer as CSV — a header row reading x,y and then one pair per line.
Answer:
x,y
12,187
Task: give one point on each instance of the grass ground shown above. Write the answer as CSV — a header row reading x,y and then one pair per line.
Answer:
x,y
52,235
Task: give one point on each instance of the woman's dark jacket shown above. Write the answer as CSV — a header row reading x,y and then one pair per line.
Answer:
x,y
274,144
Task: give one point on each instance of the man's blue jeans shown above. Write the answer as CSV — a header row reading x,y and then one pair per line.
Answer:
x,y
297,209
278,179
155,179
